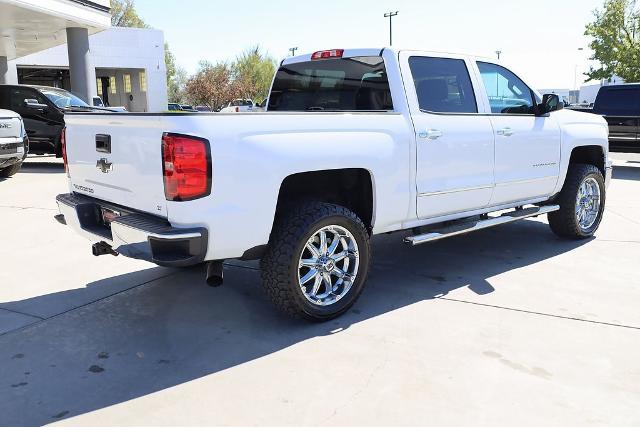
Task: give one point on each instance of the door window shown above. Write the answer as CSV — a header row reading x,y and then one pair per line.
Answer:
x,y
19,96
443,85
619,101
507,93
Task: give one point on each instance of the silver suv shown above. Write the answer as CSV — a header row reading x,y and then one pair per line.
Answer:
x,y
14,143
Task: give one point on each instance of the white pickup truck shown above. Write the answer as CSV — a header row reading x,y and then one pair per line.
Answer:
x,y
14,143
353,143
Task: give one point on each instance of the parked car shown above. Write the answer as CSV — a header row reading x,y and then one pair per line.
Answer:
x,y
620,106
239,106
42,109
172,106
14,143
354,143
203,109
261,106
97,102
188,109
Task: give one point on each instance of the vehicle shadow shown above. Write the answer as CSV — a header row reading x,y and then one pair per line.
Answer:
x,y
176,329
41,167
627,173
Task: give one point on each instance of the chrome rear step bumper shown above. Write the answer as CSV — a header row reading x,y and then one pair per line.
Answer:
x,y
471,226
134,234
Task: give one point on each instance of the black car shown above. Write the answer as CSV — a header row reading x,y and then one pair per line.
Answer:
x,y
42,109
620,106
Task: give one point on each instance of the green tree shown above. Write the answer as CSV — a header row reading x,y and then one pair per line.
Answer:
x,y
255,69
124,14
616,41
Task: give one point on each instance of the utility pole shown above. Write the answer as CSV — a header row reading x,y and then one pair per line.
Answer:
x,y
293,50
390,15
498,52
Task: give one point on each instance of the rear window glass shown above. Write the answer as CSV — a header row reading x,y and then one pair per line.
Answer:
x,y
623,101
350,84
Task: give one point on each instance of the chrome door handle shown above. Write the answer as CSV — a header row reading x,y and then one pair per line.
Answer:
x,y
505,131
431,134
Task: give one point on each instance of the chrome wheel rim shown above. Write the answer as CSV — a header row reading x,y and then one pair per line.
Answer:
x,y
328,265
588,203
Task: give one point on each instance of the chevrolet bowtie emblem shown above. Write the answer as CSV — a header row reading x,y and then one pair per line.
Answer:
x,y
104,165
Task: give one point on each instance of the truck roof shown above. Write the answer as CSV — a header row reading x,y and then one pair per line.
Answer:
x,y
377,51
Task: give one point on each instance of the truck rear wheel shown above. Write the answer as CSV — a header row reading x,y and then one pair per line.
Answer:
x,y
581,203
10,170
317,261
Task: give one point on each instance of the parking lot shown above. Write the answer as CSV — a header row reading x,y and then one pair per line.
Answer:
x,y
506,326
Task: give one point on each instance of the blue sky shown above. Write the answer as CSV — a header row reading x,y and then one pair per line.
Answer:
x,y
539,39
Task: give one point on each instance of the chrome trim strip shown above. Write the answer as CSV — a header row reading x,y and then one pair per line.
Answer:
x,y
525,181
457,190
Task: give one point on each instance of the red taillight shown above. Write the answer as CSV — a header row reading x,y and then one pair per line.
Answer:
x,y
63,145
326,54
186,167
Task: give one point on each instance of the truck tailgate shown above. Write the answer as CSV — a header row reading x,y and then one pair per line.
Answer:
x,y
117,158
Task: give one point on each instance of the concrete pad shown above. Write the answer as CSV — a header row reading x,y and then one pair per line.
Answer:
x,y
168,353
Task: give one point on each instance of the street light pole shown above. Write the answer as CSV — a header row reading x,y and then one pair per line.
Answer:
x,y
390,15
575,72
293,50
498,52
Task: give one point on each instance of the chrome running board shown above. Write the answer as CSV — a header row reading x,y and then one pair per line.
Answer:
x,y
471,226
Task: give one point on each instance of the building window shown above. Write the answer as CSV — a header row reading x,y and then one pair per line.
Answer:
x,y
99,85
112,85
143,81
127,83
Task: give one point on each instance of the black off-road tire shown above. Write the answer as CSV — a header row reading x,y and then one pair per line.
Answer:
x,y
564,222
279,265
10,170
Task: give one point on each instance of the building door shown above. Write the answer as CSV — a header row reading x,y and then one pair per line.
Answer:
x,y
104,82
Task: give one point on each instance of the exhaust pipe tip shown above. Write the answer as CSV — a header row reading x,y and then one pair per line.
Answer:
x,y
102,248
215,275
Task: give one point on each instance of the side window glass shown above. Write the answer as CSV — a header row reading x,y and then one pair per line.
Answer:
x,y
443,85
19,96
507,93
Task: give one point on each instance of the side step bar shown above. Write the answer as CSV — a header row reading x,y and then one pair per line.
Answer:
x,y
469,227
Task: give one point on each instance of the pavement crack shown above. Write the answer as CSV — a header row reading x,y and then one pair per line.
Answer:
x,y
27,207
623,216
21,313
539,313
44,319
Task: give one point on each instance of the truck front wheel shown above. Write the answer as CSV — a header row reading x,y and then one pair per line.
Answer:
x,y
581,203
317,261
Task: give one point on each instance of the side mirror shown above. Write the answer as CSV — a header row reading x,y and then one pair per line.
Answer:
x,y
550,102
33,103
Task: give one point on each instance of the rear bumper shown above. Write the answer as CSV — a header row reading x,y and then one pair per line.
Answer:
x,y
133,234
